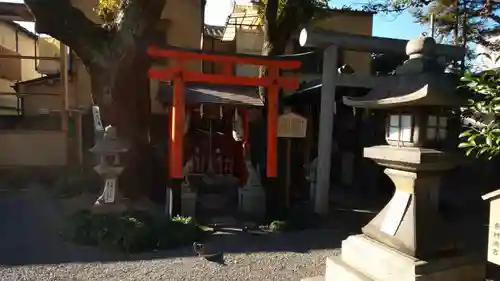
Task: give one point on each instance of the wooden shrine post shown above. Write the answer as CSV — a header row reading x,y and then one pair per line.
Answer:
x,y
179,75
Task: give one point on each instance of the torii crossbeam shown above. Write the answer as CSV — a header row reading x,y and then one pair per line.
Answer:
x,y
180,75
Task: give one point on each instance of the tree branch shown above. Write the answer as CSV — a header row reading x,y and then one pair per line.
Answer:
x,y
271,17
59,19
136,21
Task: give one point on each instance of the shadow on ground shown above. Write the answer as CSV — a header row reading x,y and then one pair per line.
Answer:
x,y
31,223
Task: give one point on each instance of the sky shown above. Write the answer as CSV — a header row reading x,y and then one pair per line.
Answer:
x,y
401,27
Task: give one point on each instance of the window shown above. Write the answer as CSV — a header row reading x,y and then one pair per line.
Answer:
x,y
400,128
436,128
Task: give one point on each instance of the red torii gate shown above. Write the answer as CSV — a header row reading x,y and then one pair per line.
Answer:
x,y
180,75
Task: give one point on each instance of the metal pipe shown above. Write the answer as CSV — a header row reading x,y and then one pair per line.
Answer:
x,y
432,27
27,94
14,56
63,56
372,44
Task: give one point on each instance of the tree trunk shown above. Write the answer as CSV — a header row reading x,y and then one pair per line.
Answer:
x,y
129,111
117,61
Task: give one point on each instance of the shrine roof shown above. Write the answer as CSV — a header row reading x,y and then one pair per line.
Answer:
x,y
427,89
212,94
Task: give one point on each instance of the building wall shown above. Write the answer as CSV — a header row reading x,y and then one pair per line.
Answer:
x,y
10,68
15,41
48,47
46,96
28,46
249,41
354,23
32,148
216,45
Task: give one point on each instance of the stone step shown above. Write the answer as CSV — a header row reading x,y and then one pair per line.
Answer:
x,y
338,270
315,278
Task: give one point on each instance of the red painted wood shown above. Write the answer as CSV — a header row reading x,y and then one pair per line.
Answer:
x,y
177,125
186,55
180,76
192,76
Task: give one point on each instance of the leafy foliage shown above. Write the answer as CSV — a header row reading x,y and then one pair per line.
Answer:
x,y
76,182
483,137
297,219
279,20
307,9
107,9
278,226
461,21
133,232
468,21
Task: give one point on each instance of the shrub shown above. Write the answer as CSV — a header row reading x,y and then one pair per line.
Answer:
x,y
74,183
302,219
297,219
278,226
133,231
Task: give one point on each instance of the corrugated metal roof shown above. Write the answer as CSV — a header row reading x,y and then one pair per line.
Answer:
x,y
214,31
215,94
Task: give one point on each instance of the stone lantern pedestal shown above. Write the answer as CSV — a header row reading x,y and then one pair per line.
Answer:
x,y
406,240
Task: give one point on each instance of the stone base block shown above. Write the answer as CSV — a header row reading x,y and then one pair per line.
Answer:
x,y
315,278
108,208
364,259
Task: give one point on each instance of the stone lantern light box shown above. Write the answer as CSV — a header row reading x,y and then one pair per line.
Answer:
x,y
417,128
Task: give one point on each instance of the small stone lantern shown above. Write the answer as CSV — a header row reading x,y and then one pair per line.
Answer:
x,y
109,148
407,240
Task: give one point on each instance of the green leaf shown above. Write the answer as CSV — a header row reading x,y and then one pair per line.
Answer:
x,y
483,150
465,134
488,140
465,144
469,151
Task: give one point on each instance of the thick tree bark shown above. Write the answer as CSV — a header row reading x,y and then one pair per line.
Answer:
x,y
117,63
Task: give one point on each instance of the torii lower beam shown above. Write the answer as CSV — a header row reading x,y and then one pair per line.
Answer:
x,y
181,75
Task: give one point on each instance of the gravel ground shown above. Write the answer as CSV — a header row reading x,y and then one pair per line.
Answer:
x,y
30,249
253,266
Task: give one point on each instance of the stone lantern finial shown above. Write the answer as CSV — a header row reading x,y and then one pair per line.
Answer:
x,y
110,133
421,47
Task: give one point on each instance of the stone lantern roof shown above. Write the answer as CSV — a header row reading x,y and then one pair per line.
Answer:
x,y
420,81
110,143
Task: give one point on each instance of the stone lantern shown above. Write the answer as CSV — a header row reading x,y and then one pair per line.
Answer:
x,y
407,239
109,148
